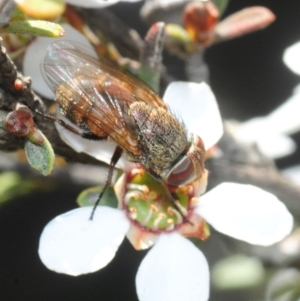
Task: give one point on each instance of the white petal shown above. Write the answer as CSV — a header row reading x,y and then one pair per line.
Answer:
x,y
35,53
96,3
276,146
197,106
100,150
93,3
293,173
73,244
139,238
264,133
250,130
291,57
174,269
247,213
283,120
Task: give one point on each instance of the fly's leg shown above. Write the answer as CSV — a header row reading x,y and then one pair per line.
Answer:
x,y
174,204
72,129
114,159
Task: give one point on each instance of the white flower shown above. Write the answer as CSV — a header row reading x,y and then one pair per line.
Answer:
x,y
96,3
291,57
174,269
292,173
271,133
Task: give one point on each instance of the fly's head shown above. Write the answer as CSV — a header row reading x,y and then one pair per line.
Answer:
x,y
189,167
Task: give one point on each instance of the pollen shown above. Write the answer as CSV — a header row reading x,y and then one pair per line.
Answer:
x,y
162,215
194,200
153,208
136,196
157,221
133,213
170,211
153,195
170,221
188,189
131,194
142,188
137,171
132,210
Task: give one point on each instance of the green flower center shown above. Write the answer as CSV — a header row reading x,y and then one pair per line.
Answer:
x,y
147,204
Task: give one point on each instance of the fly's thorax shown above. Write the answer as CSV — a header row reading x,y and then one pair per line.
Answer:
x,y
188,167
161,136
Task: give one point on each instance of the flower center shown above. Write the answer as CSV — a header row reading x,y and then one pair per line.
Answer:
x,y
148,206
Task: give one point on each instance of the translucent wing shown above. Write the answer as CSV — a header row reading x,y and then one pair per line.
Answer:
x,y
96,95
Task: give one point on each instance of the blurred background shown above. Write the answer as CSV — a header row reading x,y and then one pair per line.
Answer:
x,y
249,79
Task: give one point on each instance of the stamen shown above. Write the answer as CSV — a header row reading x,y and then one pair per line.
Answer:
x,y
179,216
142,188
147,218
170,211
181,208
132,209
172,226
137,171
170,221
188,189
131,194
152,195
153,208
158,220
133,213
194,202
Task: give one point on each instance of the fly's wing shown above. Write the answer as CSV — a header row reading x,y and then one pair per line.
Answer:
x,y
94,94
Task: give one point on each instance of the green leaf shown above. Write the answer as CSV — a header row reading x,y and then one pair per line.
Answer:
x,y
40,156
221,5
12,185
178,41
6,11
151,56
89,196
42,9
244,21
35,27
238,272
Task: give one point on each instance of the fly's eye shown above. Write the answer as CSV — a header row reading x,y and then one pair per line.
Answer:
x,y
190,167
182,173
198,142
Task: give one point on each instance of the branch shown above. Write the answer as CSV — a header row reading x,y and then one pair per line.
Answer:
x,y
10,96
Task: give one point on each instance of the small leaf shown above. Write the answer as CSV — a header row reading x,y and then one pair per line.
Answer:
x,y
200,19
238,272
6,11
178,41
151,56
12,185
244,21
42,9
89,196
40,156
221,5
35,27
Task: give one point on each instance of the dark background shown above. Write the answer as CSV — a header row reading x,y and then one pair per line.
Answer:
x,y
248,78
